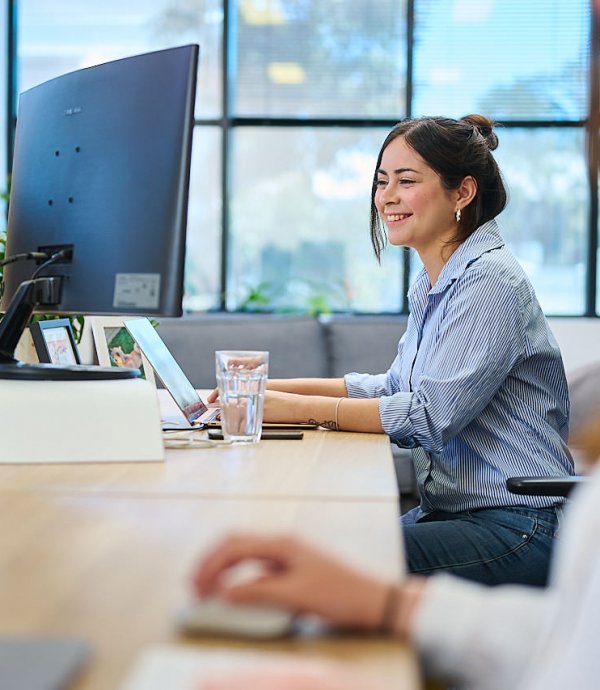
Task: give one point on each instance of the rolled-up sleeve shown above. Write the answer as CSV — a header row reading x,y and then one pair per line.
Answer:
x,y
367,385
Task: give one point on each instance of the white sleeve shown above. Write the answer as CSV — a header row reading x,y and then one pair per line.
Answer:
x,y
479,635
522,638
570,658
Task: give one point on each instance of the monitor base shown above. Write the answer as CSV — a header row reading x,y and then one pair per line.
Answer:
x,y
56,372
79,421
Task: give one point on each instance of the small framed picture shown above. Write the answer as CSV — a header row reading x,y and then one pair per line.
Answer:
x,y
54,342
116,348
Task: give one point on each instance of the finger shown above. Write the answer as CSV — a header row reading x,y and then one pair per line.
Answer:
x,y
213,395
235,549
273,590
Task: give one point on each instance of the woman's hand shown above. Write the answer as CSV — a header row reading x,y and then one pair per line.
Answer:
x,y
296,576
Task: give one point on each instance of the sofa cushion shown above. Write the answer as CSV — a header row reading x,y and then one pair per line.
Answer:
x,y
295,343
366,344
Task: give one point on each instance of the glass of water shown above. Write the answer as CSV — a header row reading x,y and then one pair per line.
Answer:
x,y
241,379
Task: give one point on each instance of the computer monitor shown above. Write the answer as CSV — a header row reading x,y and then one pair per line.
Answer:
x,y
100,181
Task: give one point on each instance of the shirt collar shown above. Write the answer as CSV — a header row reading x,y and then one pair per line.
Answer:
x,y
482,240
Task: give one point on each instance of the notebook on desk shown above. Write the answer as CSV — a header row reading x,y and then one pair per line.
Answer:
x,y
197,413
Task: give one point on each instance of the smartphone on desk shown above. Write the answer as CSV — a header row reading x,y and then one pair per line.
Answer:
x,y
266,434
276,426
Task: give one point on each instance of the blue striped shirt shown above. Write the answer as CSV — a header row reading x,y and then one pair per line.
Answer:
x,y
478,388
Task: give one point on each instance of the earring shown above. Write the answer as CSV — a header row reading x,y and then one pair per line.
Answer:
x,y
458,215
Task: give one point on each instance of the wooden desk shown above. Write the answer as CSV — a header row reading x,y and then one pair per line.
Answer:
x,y
113,569
326,464
104,551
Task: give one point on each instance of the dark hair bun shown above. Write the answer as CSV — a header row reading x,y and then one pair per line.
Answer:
x,y
485,127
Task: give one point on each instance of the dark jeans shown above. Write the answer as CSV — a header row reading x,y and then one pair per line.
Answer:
x,y
492,546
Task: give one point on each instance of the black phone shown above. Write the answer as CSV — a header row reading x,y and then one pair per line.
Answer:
x,y
266,434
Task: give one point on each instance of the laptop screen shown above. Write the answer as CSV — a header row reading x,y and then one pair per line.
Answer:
x,y
166,368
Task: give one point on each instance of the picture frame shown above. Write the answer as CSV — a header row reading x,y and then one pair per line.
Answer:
x,y
115,347
54,342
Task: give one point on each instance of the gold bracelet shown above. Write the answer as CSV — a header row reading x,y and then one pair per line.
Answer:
x,y
337,407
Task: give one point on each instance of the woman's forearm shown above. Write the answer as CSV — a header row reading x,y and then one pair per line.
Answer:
x,y
338,413
358,414
328,387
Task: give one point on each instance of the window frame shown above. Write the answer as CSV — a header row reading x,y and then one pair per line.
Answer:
x,y
228,123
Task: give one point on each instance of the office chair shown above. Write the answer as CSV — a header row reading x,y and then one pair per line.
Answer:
x,y
544,486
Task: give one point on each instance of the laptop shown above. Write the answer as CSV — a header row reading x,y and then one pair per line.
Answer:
x,y
198,414
194,409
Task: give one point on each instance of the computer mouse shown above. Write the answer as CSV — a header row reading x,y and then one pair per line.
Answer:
x,y
216,616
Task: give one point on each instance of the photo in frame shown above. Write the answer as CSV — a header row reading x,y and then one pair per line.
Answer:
x,y
115,347
54,342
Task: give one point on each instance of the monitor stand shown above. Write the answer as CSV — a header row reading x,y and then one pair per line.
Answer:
x,y
29,295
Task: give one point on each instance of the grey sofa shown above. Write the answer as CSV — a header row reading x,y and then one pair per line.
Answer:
x,y
299,346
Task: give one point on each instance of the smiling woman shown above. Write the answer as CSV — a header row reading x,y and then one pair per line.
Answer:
x,y
478,389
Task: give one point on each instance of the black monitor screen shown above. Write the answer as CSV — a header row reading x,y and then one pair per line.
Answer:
x,y
101,167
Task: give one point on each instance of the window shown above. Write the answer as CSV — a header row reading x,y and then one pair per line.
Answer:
x,y
299,194
294,99
509,59
521,63
546,220
54,38
319,58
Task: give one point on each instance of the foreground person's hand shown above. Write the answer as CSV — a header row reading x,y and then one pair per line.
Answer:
x,y
296,576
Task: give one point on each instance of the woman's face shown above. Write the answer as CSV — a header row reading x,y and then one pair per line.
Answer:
x,y
417,210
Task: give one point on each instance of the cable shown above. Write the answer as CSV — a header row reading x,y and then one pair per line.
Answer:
x,y
184,439
25,256
55,257
38,256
